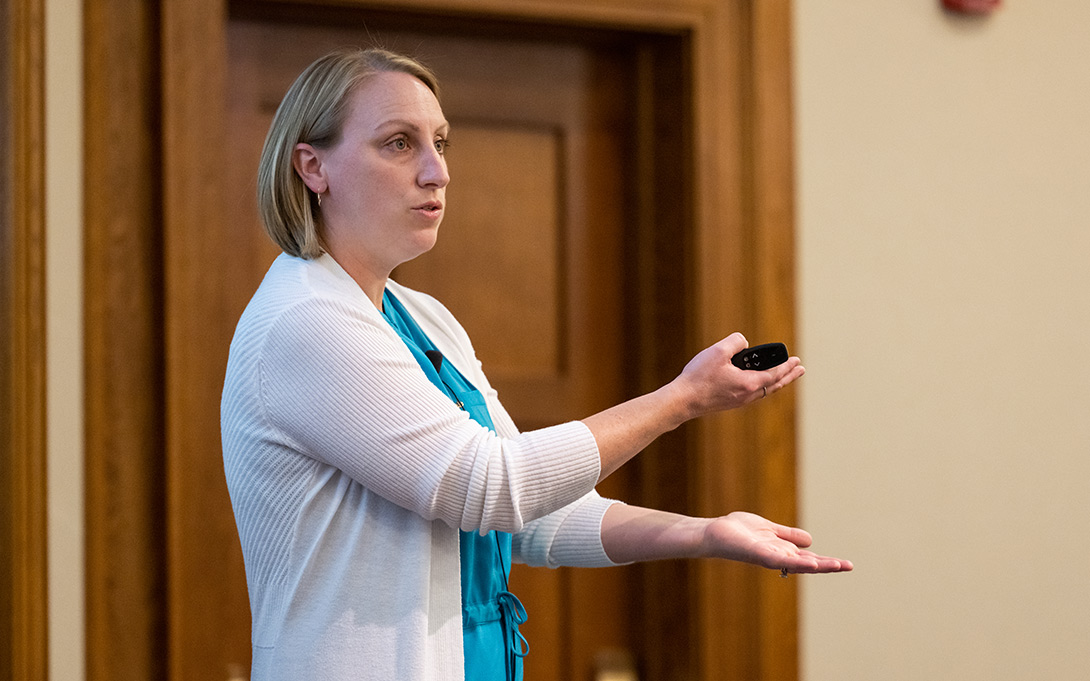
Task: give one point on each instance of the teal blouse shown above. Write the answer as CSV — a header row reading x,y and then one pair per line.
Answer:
x,y
491,614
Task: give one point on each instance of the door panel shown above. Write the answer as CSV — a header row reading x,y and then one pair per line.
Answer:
x,y
505,226
530,256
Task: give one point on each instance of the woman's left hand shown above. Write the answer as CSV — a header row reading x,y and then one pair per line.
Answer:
x,y
749,538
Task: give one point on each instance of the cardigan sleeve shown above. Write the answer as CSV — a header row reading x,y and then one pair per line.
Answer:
x,y
570,537
338,384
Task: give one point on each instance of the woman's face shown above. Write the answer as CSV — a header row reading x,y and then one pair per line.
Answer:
x,y
386,177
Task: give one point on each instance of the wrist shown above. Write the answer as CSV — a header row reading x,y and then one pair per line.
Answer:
x,y
703,543
679,403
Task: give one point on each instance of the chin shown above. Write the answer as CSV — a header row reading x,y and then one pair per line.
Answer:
x,y
424,242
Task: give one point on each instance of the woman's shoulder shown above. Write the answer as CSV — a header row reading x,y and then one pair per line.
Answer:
x,y
291,281
298,294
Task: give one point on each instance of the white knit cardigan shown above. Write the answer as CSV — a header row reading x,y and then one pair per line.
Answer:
x,y
350,475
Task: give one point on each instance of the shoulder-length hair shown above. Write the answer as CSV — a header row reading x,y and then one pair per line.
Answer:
x,y
313,112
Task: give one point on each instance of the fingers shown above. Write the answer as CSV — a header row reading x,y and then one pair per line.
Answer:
x,y
762,384
797,536
806,562
782,376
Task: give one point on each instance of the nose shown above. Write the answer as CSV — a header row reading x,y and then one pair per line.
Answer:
x,y
433,169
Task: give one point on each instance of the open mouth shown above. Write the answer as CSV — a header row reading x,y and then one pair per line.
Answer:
x,y
430,207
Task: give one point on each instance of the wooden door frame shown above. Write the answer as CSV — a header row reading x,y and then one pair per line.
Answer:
x,y
123,311
143,314
23,562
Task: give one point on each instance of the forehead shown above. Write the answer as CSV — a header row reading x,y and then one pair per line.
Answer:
x,y
389,97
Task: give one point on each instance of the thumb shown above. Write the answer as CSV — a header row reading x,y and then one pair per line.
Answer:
x,y
734,343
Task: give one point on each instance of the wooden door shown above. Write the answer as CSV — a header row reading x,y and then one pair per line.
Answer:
x,y
531,256
704,240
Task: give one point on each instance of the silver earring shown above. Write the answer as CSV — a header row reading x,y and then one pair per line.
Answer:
x,y
319,200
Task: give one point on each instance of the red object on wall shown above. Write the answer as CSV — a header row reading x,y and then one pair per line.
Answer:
x,y
971,6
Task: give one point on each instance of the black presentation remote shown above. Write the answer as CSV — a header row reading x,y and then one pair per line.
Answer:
x,y
761,357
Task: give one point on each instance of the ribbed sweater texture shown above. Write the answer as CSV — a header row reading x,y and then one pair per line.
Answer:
x,y
350,475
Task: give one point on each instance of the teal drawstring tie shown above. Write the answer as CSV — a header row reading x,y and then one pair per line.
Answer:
x,y
514,614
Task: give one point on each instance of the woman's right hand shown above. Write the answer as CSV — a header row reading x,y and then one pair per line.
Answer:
x,y
708,383
711,383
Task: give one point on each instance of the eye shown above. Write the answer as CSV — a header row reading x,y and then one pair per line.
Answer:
x,y
400,143
442,144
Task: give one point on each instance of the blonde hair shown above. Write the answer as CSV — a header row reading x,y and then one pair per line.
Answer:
x,y
313,112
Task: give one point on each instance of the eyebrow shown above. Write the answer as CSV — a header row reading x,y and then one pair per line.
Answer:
x,y
403,123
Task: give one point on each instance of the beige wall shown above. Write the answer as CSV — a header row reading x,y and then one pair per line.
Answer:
x,y
64,324
944,254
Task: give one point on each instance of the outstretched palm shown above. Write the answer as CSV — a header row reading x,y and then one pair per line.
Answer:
x,y
749,538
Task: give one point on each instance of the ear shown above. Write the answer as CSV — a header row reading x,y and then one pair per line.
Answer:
x,y
308,165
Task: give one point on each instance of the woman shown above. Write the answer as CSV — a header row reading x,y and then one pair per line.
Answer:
x,y
379,487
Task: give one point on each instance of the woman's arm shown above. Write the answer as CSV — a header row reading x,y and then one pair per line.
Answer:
x,y
709,383
634,534
339,386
